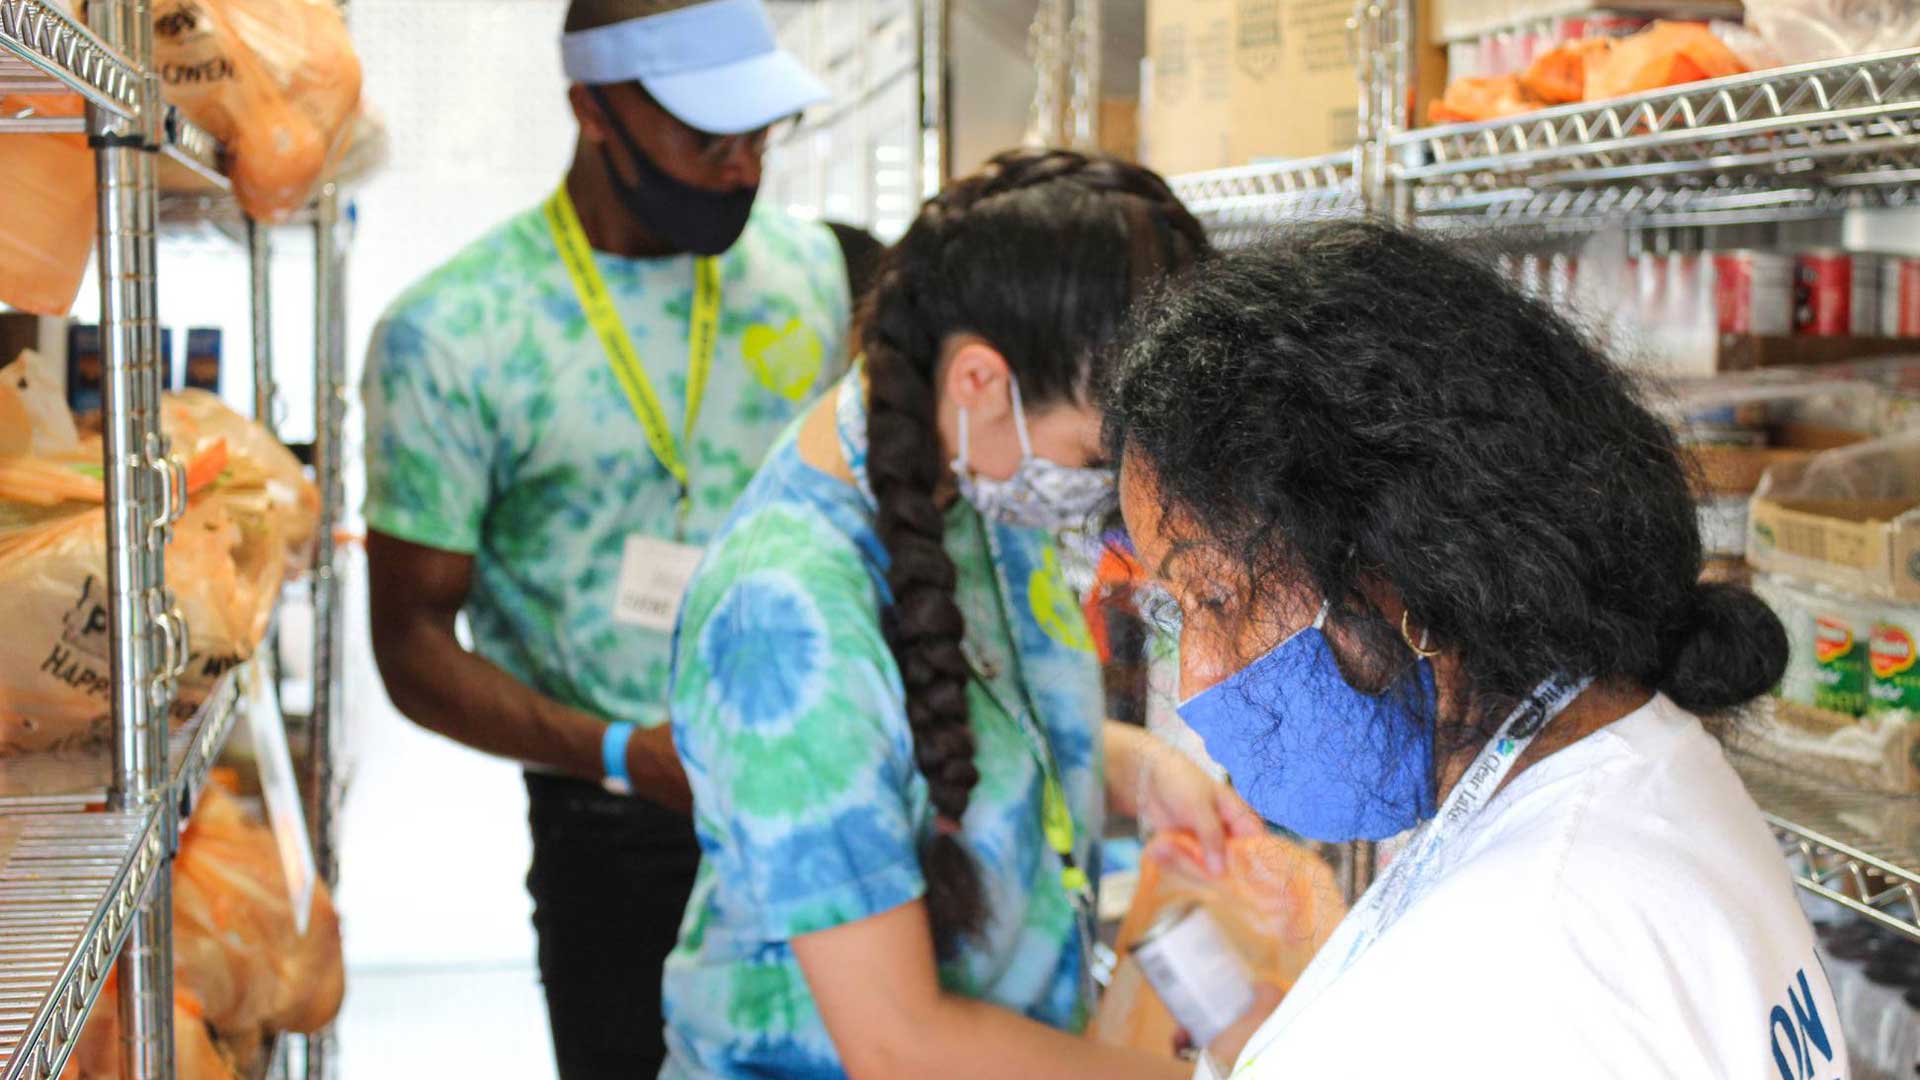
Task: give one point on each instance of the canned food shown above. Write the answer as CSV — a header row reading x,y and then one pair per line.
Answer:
x,y
1840,673
1835,294
1203,980
1753,292
1900,297
1890,658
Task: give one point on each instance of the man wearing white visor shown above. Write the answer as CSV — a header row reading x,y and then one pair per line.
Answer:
x,y
557,420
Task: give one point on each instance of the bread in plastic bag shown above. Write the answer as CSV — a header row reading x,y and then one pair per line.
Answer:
x,y
1277,902
195,1056
47,216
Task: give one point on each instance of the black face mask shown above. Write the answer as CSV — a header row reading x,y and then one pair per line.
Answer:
x,y
684,217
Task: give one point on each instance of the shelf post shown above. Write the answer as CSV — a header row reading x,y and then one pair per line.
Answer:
x,y
936,152
266,392
330,399
145,495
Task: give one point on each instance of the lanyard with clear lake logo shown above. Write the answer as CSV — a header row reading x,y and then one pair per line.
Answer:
x,y
702,332
1390,896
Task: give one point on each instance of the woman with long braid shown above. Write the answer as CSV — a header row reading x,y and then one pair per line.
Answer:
x,y
885,695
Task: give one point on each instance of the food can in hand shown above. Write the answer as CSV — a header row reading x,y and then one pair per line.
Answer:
x,y
1189,961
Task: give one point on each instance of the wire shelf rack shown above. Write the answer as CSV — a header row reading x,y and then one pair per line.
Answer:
x,y
69,887
75,780
43,50
1858,850
1845,125
1236,204
190,145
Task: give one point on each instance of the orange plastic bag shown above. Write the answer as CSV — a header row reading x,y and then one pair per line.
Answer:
x,y
47,217
1481,97
1559,76
1664,54
1278,903
195,1057
275,80
235,942
248,509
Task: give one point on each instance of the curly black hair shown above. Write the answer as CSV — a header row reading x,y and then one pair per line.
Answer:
x,y
1349,405
1040,253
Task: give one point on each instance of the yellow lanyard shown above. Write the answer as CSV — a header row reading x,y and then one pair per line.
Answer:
x,y
702,332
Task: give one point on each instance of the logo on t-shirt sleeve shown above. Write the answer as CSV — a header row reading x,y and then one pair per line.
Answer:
x,y
1798,1032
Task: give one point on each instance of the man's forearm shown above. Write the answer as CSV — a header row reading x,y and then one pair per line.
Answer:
x,y
452,692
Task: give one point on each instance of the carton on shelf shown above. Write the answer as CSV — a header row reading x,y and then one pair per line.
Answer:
x,y
1847,518
1231,82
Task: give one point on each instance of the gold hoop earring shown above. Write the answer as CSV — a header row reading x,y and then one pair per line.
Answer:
x,y
1420,649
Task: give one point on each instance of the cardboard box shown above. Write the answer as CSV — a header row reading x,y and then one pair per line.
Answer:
x,y
1870,547
1230,82
1737,470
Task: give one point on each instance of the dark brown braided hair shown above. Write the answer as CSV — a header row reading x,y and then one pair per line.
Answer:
x,y
1040,253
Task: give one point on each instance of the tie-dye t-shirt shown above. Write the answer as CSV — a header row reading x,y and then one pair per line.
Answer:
x,y
496,428
790,718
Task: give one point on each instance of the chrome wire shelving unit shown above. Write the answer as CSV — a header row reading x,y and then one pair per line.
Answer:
x,y
87,838
1236,204
1837,135
1860,851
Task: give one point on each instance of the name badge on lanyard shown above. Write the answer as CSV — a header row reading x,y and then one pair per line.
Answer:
x,y
653,577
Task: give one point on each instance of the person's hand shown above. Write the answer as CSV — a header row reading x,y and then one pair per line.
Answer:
x,y
654,768
1179,795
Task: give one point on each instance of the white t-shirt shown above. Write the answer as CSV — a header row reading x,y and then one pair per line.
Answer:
x,y
1618,910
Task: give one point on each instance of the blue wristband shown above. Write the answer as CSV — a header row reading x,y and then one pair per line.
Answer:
x,y
613,758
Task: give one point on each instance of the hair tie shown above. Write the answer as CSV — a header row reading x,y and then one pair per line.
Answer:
x,y
945,825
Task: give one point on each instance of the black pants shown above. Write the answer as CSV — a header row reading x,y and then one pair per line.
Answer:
x,y
610,879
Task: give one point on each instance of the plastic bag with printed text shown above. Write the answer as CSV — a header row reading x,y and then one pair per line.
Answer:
x,y
248,511
1277,902
276,81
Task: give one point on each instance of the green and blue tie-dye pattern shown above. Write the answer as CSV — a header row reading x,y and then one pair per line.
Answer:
x,y
495,428
790,718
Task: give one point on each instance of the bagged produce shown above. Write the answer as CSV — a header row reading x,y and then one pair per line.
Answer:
x,y
47,217
276,81
1481,97
249,511
235,942
1559,76
1277,903
1664,54
195,1056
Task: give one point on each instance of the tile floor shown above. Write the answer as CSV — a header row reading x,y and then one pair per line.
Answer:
x,y
433,847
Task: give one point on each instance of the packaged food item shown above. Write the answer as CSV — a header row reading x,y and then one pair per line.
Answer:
x,y
1827,641
1559,75
1664,54
1753,291
249,514
47,218
276,81
1894,685
1201,978
1900,297
1836,294
1487,97
1275,906
235,941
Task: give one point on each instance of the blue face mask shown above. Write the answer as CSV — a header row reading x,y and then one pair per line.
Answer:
x,y
1315,756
